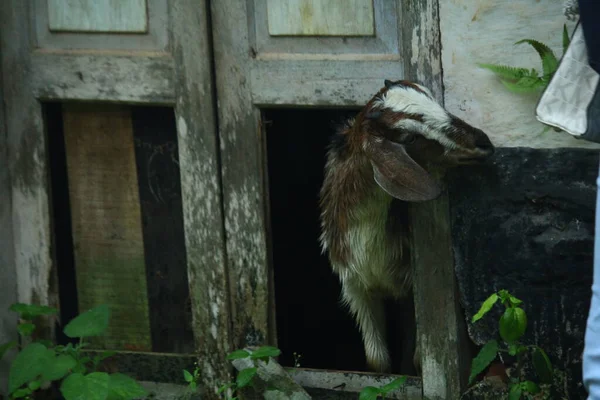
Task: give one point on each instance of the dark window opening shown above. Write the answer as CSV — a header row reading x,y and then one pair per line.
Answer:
x,y
94,216
310,318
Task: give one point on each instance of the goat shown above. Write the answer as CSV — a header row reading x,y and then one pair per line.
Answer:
x,y
375,164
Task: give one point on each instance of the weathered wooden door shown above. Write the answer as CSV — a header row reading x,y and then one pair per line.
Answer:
x,y
311,53
100,62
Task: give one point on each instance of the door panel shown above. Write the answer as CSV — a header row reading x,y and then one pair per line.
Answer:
x,y
272,55
97,16
316,18
255,69
91,24
382,41
166,61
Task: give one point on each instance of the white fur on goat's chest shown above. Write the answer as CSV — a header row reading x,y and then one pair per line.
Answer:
x,y
373,256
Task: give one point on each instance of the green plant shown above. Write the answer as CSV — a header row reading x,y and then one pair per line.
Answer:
x,y
522,80
372,392
244,377
512,326
40,363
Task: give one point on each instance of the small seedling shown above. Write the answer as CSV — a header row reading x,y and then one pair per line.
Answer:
x,y
373,393
512,326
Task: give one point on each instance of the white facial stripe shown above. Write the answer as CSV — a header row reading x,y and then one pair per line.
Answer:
x,y
409,101
428,132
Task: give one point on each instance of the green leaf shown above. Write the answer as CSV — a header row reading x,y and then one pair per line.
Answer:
x,y
236,355
549,60
525,84
123,387
530,387
566,40
245,377
394,385
192,386
104,355
26,366
369,393
224,388
514,301
94,386
26,329
485,307
91,323
514,349
18,394
187,376
265,351
486,355
34,385
513,324
30,311
57,367
506,71
542,365
6,347
515,392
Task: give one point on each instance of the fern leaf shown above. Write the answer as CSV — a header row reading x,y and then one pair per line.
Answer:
x,y
525,84
506,72
566,39
549,60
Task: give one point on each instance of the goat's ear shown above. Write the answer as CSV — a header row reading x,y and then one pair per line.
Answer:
x,y
398,174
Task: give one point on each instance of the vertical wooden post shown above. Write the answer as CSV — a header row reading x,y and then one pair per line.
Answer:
x,y
441,330
8,281
26,158
201,190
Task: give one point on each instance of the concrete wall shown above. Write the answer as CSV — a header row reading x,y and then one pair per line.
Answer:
x,y
484,31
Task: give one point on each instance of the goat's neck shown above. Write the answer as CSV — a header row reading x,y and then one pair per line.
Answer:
x,y
349,193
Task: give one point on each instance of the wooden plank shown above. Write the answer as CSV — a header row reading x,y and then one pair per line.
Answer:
x,y
97,16
8,277
325,83
106,221
354,382
117,77
321,18
441,331
27,162
157,160
202,208
244,192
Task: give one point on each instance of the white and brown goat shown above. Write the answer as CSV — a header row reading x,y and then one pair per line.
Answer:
x,y
375,164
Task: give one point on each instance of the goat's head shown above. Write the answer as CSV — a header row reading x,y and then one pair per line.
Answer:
x,y
403,128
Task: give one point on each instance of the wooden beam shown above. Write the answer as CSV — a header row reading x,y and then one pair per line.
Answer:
x,y
103,76
27,161
243,174
441,331
8,282
195,106
350,382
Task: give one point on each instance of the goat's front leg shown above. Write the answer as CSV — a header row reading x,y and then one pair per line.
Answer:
x,y
369,312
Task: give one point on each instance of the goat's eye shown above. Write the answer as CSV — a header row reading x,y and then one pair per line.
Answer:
x,y
409,139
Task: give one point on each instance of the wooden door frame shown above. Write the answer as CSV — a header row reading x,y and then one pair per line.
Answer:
x,y
440,323
181,78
